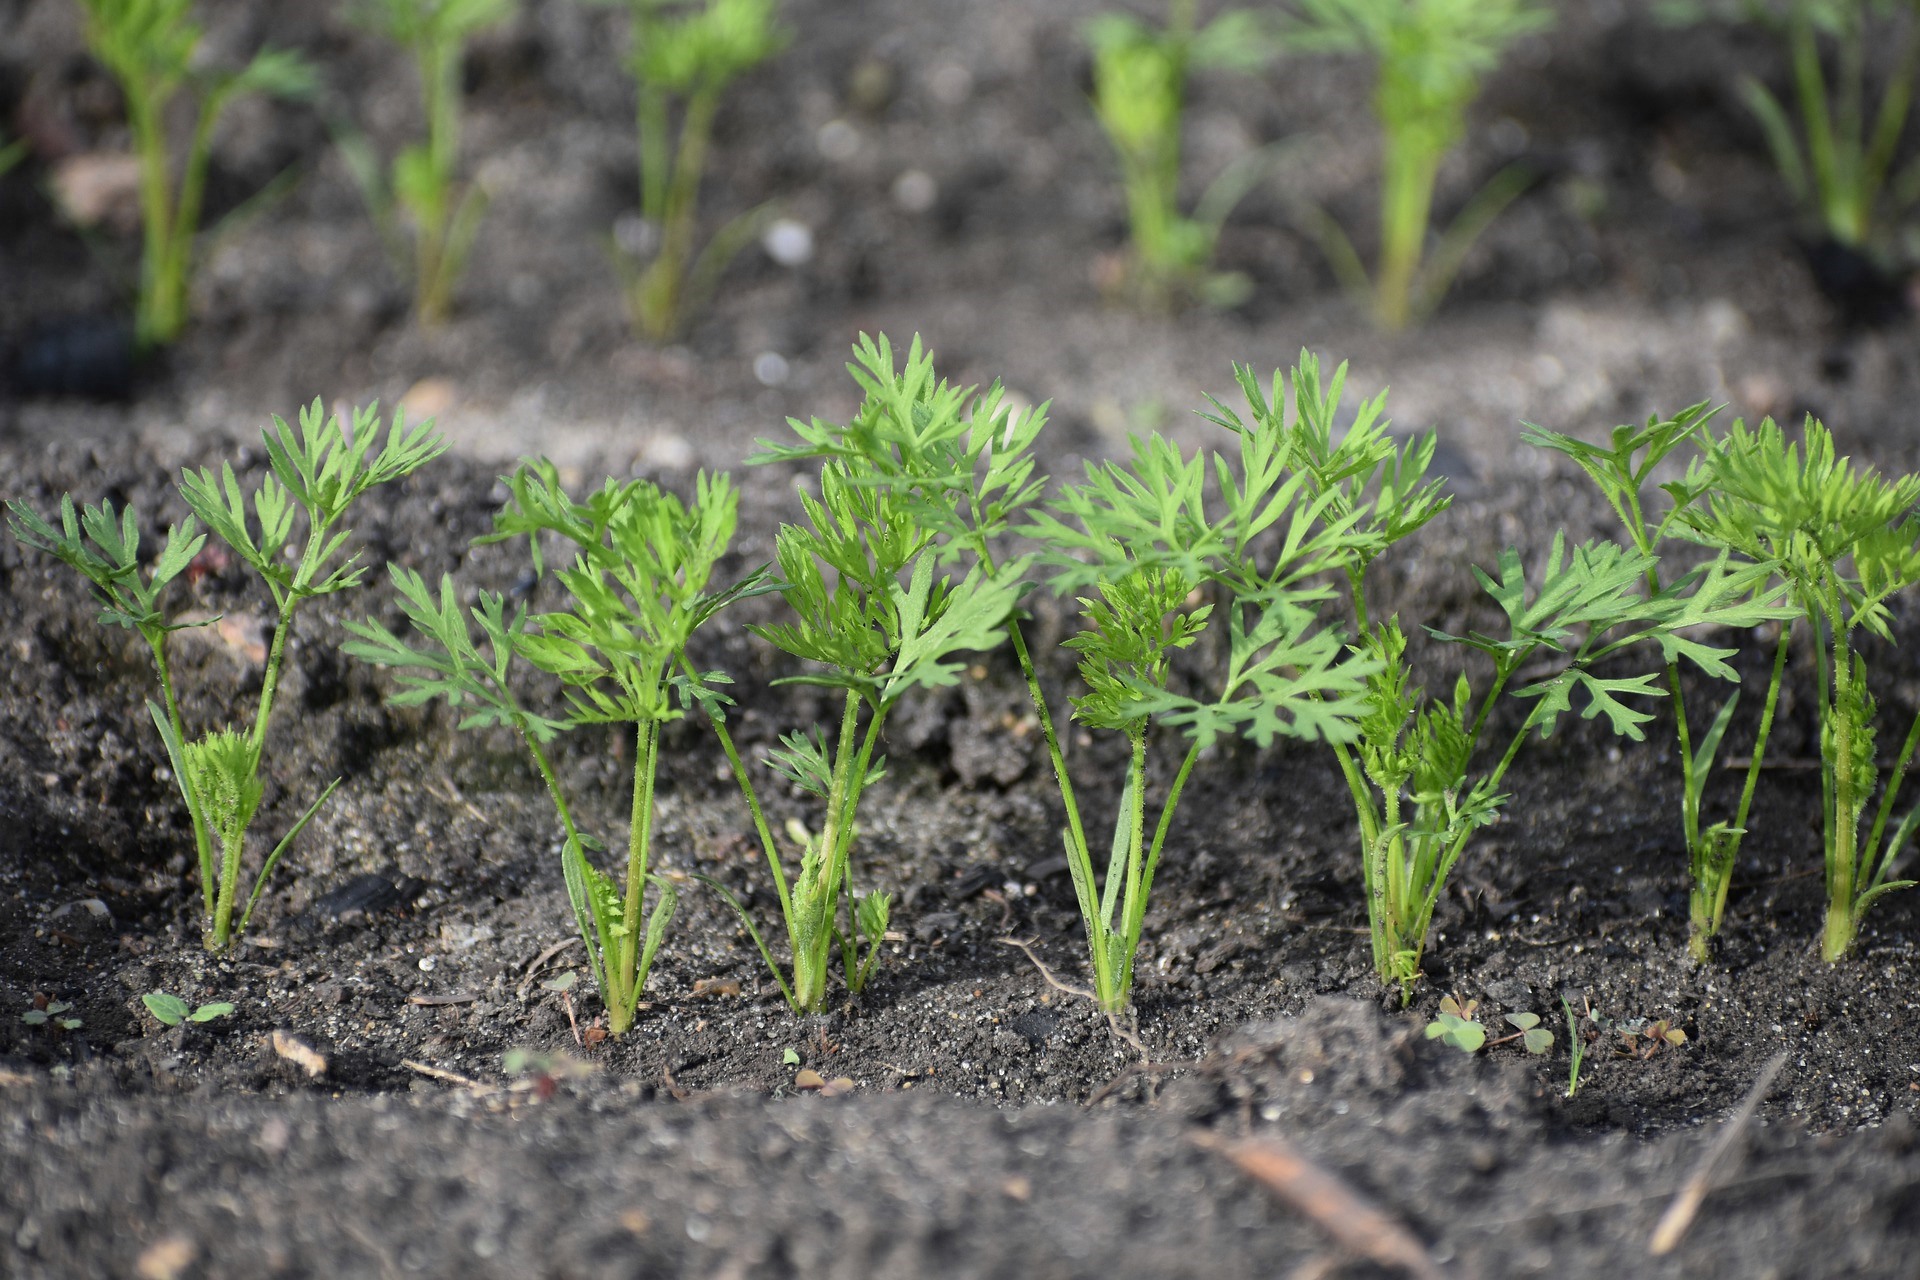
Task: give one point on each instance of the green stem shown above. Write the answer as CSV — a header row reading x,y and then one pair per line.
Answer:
x,y
146,104
202,838
626,981
1842,834
1406,199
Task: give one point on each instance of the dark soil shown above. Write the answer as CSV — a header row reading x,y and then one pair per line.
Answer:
x,y
407,937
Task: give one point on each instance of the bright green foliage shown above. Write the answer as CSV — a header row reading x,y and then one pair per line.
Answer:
x,y
1140,96
1431,55
172,1010
638,587
1622,470
1141,534
151,48
1411,772
421,187
1836,149
315,473
685,54
1844,540
872,620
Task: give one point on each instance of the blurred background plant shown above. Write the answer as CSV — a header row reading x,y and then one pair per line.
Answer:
x,y
421,187
1140,97
151,48
1430,56
684,53
1836,149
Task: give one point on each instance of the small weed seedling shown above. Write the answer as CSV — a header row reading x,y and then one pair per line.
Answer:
x,y
316,473
1837,157
1140,96
1844,540
421,186
874,622
172,1010
51,1013
637,590
1458,1024
1641,1038
685,52
1622,470
1577,1040
151,47
1430,55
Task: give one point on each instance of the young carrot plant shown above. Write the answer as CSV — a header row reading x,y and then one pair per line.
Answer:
x,y
1837,157
1622,470
151,47
685,52
637,589
422,187
873,622
1430,56
1137,534
1416,790
1844,540
315,472
1140,96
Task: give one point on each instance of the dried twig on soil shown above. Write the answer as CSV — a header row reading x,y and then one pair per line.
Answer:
x,y
1679,1215
1342,1212
479,1088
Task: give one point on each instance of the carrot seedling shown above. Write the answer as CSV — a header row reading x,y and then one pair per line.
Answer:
x,y
1623,470
152,48
684,54
1430,56
1140,77
1844,540
315,473
1417,791
873,621
421,187
637,589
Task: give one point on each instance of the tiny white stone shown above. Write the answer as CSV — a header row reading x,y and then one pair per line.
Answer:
x,y
838,141
770,368
915,191
788,242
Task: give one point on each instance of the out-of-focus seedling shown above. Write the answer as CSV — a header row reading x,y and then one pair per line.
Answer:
x,y
152,48
51,1013
684,54
1140,95
315,473
1835,149
1429,56
1577,1039
637,590
171,1010
11,153
421,187
1643,1038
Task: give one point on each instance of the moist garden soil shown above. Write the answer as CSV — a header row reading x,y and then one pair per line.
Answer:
x,y
353,1115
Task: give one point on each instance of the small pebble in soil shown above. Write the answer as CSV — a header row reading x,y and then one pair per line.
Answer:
x,y
788,242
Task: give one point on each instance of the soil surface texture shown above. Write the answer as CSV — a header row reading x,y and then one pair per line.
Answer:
x,y
354,1115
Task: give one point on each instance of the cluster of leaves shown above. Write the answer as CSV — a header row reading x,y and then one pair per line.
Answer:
x,y
685,53
52,1013
1835,150
1430,56
1843,540
1456,1024
152,49
421,187
638,586
1140,96
171,1010
315,473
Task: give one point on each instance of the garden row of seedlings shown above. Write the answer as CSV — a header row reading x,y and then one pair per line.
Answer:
x,y
1836,149
929,526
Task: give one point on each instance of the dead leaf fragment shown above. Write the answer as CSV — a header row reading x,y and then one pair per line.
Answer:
x,y
97,187
166,1258
807,1080
301,1054
716,986
636,1222
1018,1187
